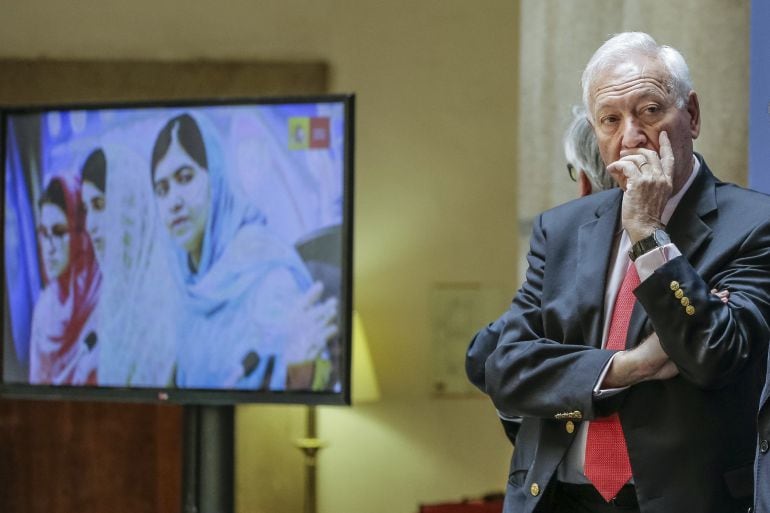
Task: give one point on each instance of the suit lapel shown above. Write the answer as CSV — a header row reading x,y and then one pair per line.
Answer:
x,y
688,232
686,227
595,243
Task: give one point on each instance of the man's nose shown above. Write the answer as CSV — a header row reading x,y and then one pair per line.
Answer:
x,y
633,135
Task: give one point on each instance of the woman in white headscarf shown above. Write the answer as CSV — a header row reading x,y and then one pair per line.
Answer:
x,y
137,346
249,308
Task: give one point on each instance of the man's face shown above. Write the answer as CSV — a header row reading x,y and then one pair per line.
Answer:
x,y
631,105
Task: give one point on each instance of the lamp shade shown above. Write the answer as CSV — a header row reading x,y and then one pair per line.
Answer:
x,y
364,380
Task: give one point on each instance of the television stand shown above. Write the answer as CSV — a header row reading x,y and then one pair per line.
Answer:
x,y
207,465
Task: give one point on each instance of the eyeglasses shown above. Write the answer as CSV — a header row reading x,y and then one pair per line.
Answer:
x,y
57,233
572,172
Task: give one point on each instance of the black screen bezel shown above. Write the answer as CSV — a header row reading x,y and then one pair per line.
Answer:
x,y
190,395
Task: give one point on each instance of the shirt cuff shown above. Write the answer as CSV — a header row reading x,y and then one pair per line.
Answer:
x,y
600,392
647,264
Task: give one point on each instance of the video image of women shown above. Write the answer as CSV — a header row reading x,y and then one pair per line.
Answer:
x,y
250,313
168,247
63,342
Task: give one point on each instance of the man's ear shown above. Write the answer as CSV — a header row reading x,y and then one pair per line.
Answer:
x,y
693,107
584,184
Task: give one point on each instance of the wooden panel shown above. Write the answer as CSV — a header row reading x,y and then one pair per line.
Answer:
x,y
64,457
60,457
44,81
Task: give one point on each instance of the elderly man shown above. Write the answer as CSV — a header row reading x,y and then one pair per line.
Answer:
x,y
638,388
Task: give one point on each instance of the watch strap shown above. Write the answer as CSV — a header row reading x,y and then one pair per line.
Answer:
x,y
657,239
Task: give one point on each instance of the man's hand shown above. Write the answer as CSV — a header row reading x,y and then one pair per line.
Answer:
x,y
647,179
723,295
645,362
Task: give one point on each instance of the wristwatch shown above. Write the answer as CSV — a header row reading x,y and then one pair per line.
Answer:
x,y
658,239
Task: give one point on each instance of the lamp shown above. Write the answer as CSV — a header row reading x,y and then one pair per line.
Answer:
x,y
364,388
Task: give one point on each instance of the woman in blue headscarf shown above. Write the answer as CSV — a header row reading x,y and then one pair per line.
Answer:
x,y
249,309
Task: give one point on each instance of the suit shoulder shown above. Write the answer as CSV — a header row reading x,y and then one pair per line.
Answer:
x,y
742,202
580,210
728,190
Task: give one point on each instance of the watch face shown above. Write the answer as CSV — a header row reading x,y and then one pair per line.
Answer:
x,y
661,237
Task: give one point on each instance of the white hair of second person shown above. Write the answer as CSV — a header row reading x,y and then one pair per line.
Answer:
x,y
621,47
582,151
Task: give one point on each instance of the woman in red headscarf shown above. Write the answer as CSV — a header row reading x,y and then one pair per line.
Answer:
x,y
64,342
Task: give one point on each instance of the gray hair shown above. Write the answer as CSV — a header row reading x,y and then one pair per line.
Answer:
x,y
582,151
621,47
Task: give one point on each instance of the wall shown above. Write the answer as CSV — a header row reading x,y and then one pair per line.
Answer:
x,y
436,150
759,110
437,84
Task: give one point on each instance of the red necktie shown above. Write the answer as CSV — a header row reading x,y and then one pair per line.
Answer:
x,y
606,464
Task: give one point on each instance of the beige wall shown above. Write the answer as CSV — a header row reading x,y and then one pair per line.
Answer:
x,y
436,147
436,84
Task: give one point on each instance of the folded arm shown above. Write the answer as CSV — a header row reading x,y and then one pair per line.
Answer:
x,y
708,340
523,371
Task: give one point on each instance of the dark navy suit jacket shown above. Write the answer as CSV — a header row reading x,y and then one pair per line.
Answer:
x,y
691,439
762,470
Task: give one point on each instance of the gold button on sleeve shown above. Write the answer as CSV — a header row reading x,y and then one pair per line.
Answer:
x,y
534,489
570,427
685,301
679,293
674,285
690,310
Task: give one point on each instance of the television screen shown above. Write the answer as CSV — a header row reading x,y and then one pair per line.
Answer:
x,y
187,252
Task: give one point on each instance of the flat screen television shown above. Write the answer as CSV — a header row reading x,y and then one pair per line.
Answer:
x,y
188,252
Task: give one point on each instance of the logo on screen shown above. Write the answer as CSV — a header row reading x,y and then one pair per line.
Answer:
x,y
308,133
